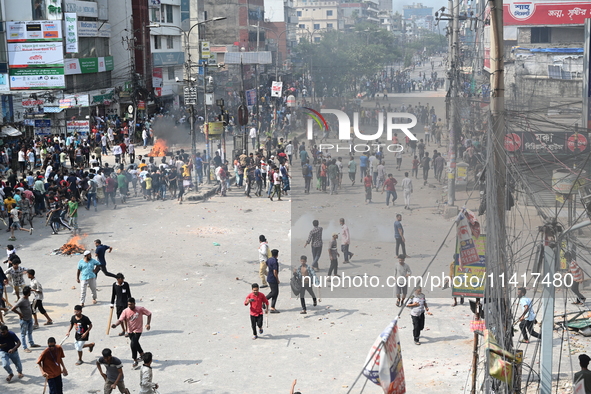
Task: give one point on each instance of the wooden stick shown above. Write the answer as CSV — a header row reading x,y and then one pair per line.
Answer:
x,y
110,318
45,386
63,340
6,298
267,313
319,294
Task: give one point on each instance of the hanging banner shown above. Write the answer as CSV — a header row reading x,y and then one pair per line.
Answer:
x,y
276,89
470,280
71,32
33,31
468,253
384,367
205,50
251,97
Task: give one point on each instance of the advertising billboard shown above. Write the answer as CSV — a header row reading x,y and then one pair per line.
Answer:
x,y
33,31
71,32
88,65
534,13
37,78
35,54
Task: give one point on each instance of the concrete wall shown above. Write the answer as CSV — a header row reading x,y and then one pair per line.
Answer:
x,y
573,36
120,20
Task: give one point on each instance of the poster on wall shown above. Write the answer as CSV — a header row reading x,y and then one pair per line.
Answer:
x,y
71,32
33,31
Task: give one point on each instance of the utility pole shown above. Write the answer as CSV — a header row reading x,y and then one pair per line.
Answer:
x,y
498,306
454,108
550,260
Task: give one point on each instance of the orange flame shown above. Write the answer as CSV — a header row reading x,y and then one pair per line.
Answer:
x,y
73,246
159,149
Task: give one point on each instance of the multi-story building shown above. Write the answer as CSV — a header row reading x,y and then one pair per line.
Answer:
x,y
59,64
132,56
315,17
356,12
168,51
416,17
282,21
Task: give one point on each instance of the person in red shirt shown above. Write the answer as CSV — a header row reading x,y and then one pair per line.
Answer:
x,y
368,183
390,186
415,167
256,301
110,188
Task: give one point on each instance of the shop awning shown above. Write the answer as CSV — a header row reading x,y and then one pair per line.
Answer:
x,y
9,131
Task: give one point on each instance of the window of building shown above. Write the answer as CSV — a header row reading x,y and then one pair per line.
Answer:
x,y
155,15
302,26
328,12
316,26
299,13
329,26
170,72
38,9
540,35
167,13
157,42
169,42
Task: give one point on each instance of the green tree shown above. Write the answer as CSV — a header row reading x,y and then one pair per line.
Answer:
x,y
340,59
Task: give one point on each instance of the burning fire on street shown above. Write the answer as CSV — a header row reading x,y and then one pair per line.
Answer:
x,y
73,246
159,149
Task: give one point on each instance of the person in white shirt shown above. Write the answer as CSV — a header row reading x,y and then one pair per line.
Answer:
x,y
253,137
104,144
289,151
145,137
264,254
345,240
407,190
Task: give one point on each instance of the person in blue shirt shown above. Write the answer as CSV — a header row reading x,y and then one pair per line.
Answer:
x,y
100,255
86,276
528,318
363,161
199,167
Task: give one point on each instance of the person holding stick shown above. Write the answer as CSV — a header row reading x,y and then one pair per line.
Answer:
x,y
122,293
52,366
134,317
256,300
305,275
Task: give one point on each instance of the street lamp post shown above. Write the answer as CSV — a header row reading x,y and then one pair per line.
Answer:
x,y
190,80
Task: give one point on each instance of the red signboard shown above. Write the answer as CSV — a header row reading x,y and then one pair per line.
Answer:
x,y
577,143
512,142
528,13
